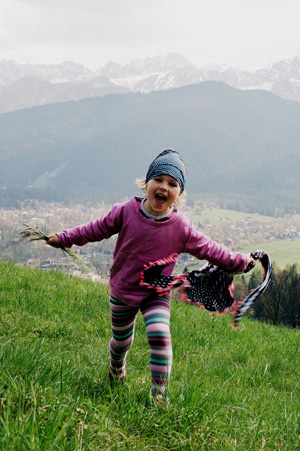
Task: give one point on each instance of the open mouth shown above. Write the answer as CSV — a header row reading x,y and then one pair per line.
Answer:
x,y
160,199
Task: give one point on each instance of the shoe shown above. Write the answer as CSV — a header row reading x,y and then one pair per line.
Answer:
x,y
160,399
115,379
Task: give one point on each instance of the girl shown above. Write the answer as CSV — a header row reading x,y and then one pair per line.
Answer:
x,y
150,229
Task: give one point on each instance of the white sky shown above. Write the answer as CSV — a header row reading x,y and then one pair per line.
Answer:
x,y
248,34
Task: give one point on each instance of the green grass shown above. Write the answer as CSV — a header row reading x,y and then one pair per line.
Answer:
x,y
222,217
281,252
230,389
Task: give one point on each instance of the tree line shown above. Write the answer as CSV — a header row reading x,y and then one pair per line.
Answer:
x,y
280,303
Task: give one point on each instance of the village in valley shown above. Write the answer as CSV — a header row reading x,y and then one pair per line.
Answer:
x,y
233,229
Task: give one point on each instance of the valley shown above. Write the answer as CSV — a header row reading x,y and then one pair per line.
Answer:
x,y
245,232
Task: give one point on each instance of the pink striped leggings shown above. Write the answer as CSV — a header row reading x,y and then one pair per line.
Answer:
x,y
156,313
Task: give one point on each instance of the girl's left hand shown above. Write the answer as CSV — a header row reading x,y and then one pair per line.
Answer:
x,y
250,259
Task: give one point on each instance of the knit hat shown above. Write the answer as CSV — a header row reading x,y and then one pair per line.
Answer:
x,y
168,162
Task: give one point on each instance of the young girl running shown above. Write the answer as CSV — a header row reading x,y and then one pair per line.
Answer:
x,y
149,229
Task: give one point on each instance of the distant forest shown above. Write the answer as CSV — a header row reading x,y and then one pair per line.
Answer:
x,y
241,148
276,205
280,303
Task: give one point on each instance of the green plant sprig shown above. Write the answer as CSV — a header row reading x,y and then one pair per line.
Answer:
x,y
34,234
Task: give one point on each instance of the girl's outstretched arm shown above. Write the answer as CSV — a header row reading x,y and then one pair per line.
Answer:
x,y
204,248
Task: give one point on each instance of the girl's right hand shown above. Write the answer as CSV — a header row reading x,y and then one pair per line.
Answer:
x,y
54,241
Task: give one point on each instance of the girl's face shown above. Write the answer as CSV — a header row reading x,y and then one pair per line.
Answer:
x,y
162,191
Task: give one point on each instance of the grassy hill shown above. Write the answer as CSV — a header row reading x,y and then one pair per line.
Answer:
x,y
230,389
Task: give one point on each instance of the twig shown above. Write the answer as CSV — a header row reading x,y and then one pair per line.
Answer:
x,y
34,234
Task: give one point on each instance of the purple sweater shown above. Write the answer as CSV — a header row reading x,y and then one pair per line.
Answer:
x,y
142,240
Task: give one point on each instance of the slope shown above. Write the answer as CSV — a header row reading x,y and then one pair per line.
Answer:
x,y
230,389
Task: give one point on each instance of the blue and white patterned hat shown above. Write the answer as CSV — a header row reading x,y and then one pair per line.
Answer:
x,y
168,162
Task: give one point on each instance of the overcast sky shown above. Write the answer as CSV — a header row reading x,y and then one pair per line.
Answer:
x,y
248,34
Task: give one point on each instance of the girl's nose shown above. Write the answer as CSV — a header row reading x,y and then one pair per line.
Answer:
x,y
163,185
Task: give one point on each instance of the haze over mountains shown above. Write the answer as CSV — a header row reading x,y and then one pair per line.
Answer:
x,y
23,86
235,143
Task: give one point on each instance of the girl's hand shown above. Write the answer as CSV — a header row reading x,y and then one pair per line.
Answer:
x,y
250,259
251,263
54,241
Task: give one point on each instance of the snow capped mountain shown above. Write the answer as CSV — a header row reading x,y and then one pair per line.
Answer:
x,y
142,68
10,71
24,86
27,85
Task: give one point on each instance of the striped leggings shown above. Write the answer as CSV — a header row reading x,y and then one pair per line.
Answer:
x,y
156,313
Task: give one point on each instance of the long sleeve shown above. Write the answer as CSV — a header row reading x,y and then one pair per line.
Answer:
x,y
102,228
204,248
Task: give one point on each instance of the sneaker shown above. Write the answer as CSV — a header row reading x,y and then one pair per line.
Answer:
x,y
160,399
115,379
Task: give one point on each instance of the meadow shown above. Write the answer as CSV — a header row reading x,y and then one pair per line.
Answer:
x,y
215,216
283,252
230,389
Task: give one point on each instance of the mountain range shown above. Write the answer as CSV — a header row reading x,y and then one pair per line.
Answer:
x,y
27,85
235,143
